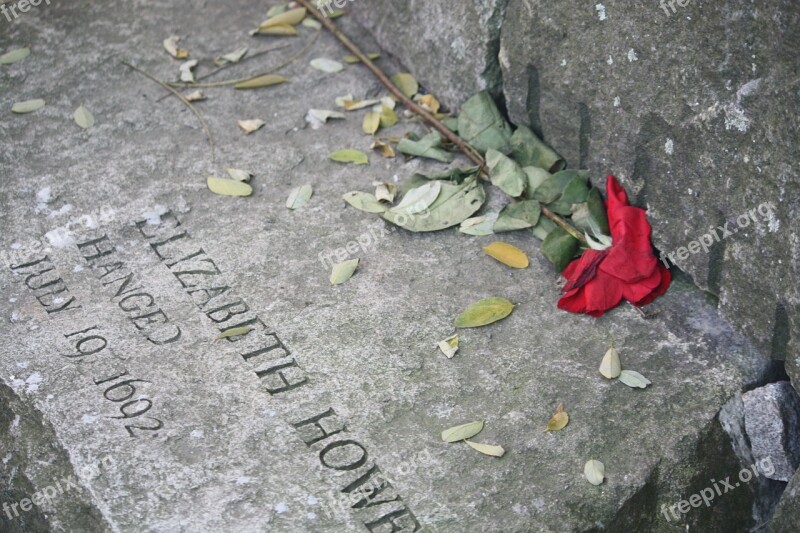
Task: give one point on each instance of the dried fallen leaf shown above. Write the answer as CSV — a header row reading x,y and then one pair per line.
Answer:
x,y
195,96
406,83
249,126
233,57
634,379
351,104
462,432
171,46
233,332
343,271
595,472
225,187
385,192
239,175
187,76
487,449
385,149
507,254
14,55
327,65
353,59
372,121
388,116
350,156
309,22
323,115
280,29
84,118
449,346
364,202
610,366
28,106
484,312
299,197
559,420
429,102
266,80
291,18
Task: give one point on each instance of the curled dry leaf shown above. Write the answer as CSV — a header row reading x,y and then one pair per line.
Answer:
x,y
84,118
233,57
385,192
559,420
383,148
225,187
187,76
507,254
611,366
171,46
429,102
343,271
28,106
484,312
249,126
299,197
462,432
349,103
487,449
449,346
595,472
239,175
323,115
233,332
634,379
195,96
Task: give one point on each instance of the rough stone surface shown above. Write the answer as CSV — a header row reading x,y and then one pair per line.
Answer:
x,y
450,46
229,455
772,420
690,109
787,515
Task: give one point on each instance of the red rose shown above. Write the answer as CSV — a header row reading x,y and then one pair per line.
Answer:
x,y
600,280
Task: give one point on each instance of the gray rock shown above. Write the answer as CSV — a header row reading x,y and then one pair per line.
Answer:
x,y
787,515
772,420
213,438
450,47
688,109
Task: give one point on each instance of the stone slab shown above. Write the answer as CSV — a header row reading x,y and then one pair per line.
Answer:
x,y
220,435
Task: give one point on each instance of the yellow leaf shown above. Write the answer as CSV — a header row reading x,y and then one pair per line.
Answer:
x,y
353,59
559,420
484,312
266,80
388,117
385,150
225,187
372,121
487,449
449,346
287,18
406,83
350,156
507,254
430,103
343,271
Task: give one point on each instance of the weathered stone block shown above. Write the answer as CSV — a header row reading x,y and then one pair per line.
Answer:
x,y
772,420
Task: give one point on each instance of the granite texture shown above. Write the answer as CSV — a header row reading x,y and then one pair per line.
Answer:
x,y
221,445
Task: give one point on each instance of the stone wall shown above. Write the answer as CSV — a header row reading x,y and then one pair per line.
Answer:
x,y
694,110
